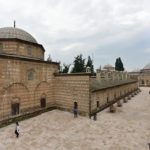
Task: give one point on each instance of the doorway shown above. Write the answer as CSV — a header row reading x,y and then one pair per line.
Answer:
x,y
15,108
43,102
97,104
75,105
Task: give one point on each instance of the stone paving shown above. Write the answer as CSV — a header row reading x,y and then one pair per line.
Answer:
x,y
127,129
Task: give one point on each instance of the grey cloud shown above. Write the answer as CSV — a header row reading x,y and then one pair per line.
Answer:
x,y
105,29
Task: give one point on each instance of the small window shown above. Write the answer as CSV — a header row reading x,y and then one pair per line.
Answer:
x,y
29,50
109,75
97,104
107,99
31,74
102,75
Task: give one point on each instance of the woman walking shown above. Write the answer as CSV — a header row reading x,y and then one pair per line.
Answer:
x,y
17,129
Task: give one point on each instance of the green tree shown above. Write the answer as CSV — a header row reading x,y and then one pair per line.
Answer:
x,y
119,65
90,64
65,68
79,64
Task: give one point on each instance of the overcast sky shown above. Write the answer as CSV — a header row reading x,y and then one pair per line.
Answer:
x,y
103,29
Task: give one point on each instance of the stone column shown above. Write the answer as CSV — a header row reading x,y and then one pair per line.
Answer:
x,y
125,100
119,104
112,109
129,97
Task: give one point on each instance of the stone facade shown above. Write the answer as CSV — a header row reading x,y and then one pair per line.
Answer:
x,y
103,96
70,88
22,49
25,82
142,75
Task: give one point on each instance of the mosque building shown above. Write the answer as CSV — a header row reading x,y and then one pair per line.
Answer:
x,y
144,76
29,83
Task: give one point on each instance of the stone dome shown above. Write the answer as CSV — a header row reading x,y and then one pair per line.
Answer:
x,y
108,67
147,67
16,33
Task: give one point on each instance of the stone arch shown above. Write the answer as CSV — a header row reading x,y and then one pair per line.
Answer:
x,y
13,93
43,90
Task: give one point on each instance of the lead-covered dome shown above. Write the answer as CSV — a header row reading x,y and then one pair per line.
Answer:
x,y
16,33
109,67
147,67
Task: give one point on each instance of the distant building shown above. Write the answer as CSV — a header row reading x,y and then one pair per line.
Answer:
x,y
144,76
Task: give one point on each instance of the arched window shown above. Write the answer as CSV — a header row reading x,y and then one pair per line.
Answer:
x,y
109,75
29,50
31,74
102,75
143,82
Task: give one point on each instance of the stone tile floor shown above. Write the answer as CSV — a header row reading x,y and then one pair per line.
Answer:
x,y
127,129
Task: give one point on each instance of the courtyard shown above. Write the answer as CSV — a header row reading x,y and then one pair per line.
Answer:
x,y
127,129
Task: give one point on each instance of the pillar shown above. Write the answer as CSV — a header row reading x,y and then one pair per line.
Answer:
x,y
119,103
125,100
129,97
112,109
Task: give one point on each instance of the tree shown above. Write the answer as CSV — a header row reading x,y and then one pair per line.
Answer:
x,y
66,68
79,64
90,64
119,65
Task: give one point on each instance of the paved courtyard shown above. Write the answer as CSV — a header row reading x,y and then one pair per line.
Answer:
x,y
127,129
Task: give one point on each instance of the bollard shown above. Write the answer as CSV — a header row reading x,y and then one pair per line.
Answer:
x,y
112,109
119,104
125,100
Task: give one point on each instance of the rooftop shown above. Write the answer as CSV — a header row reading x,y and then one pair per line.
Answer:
x,y
16,33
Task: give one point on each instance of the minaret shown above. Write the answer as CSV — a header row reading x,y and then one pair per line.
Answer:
x,y
14,24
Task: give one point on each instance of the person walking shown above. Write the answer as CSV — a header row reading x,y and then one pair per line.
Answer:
x,y
95,116
17,130
75,111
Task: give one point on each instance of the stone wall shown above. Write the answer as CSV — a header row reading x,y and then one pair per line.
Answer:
x,y
106,75
105,96
21,49
17,87
144,79
72,88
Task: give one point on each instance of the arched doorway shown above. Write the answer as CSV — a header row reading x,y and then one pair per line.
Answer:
x,y
15,108
97,104
75,105
43,102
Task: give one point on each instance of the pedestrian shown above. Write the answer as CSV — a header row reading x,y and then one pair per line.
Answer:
x,y
17,130
95,116
75,111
